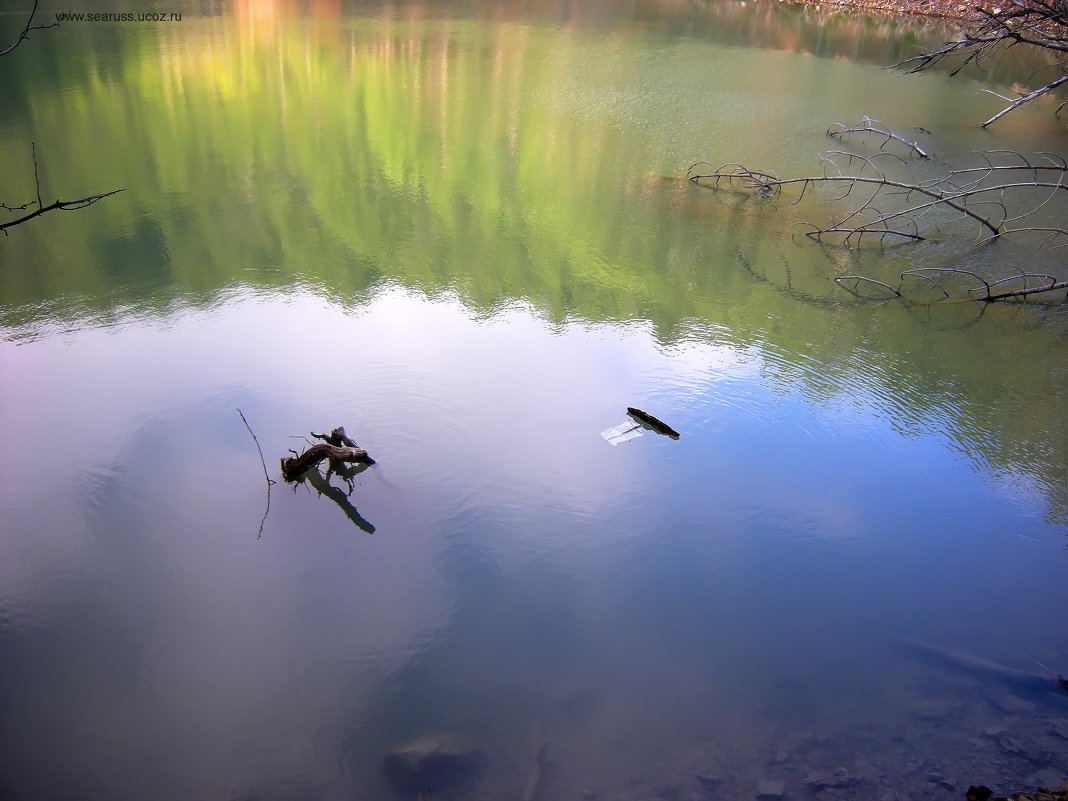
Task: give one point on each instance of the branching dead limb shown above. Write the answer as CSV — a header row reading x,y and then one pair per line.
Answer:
x,y
869,126
346,459
298,464
1015,104
339,448
895,209
984,290
1041,24
999,196
61,205
26,31
859,278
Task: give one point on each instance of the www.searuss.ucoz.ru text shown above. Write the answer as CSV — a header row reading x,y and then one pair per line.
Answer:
x,y
114,16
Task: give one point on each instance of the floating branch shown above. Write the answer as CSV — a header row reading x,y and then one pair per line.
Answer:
x,y
339,438
1001,195
298,464
891,209
659,426
342,452
766,185
869,126
339,448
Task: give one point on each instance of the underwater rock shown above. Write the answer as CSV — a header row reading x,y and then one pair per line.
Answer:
x,y
931,709
1012,704
708,778
771,788
820,781
433,762
1046,777
1059,726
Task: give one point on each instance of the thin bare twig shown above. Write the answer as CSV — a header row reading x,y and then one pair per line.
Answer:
x,y
62,205
1041,24
36,173
267,477
869,126
859,278
26,31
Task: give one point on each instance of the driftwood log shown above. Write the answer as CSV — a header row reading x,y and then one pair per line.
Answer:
x,y
984,667
537,768
657,425
338,447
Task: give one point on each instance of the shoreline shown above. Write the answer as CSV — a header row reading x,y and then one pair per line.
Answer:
x,y
942,9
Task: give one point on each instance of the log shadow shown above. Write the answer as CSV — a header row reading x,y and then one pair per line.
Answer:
x,y
322,485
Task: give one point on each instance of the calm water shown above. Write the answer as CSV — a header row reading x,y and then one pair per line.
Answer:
x,y
448,228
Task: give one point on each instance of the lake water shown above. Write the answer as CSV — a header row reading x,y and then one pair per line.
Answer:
x,y
453,228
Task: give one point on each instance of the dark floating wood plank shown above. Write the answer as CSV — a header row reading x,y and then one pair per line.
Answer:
x,y
659,426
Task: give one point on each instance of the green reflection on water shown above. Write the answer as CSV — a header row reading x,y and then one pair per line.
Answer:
x,y
508,158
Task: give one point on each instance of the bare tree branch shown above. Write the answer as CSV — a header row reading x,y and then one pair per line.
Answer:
x,y
1040,24
858,278
869,126
1000,195
266,477
26,31
61,205
892,208
1049,87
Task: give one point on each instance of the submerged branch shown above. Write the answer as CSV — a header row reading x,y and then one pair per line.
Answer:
x,y
869,126
767,185
1006,189
1049,87
983,291
892,208
858,278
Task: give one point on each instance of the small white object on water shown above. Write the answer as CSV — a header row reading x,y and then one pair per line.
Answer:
x,y
622,432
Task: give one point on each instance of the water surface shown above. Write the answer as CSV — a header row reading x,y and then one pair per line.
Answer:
x,y
451,228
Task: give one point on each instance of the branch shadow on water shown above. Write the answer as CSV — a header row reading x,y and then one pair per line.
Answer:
x,y
322,485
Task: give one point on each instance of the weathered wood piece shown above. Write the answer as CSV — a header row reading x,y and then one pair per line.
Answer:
x,y
985,667
537,767
433,762
659,426
339,438
295,466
